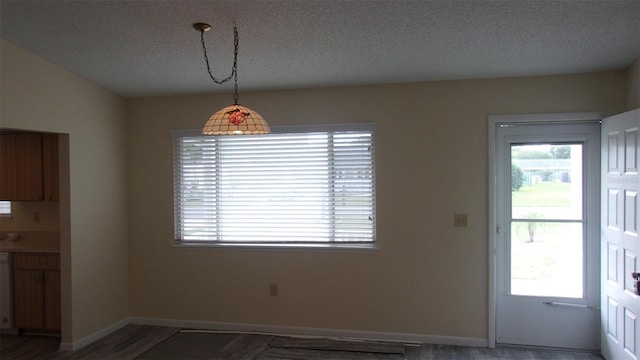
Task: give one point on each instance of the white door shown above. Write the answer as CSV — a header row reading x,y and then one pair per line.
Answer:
x,y
620,246
547,246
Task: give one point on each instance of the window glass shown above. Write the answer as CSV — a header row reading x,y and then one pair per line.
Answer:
x,y
547,240
5,208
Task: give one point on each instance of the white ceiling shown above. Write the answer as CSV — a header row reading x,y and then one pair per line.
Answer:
x,y
149,48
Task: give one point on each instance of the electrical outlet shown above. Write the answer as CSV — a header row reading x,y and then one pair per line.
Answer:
x,y
273,289
460,220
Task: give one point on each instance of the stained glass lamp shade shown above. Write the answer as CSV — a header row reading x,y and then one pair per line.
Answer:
x,y
236,120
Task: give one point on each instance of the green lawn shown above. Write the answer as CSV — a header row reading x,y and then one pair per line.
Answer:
x,y
543,194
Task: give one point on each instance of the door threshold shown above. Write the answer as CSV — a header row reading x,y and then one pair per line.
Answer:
x,y
548,348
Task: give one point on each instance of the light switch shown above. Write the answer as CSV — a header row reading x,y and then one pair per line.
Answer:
x,y
273,289
460,220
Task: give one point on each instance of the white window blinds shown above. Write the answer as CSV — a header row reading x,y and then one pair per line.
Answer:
x,y
296,185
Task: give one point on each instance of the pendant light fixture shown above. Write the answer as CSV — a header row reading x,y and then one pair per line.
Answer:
x,y
234,119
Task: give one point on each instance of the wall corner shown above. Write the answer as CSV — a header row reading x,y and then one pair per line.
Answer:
x,y
633,85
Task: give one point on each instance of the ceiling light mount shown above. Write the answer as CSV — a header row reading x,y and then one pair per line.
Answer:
x,y
234,119
202,26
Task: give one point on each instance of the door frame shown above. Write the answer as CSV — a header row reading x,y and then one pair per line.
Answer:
x,y
493,121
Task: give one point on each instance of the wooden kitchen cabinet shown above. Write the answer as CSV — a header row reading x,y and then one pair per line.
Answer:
x,y
21,167
50,179
53,303
36,291
28,166
28,298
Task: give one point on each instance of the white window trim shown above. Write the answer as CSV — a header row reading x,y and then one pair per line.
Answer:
x,y
320,246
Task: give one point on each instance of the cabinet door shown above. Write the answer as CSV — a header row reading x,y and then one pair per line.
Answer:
x,y
21,167
52,301
50,166
28,299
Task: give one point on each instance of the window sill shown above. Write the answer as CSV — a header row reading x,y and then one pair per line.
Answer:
x,y
298,247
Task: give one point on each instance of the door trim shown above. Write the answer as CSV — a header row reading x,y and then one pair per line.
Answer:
x,y
493,122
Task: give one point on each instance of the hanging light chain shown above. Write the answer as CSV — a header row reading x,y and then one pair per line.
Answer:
x,y
234,69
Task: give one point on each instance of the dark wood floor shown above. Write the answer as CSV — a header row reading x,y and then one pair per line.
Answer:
x,y
135,341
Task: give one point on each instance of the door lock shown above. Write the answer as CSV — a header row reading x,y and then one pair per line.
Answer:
x,y
636,283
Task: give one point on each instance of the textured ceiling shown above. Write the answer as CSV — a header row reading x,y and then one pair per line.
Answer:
x,y
149,48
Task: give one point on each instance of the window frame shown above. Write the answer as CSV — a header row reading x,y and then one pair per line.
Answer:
x,y
291,129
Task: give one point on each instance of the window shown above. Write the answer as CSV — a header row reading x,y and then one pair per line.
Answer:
x,y
5,208
297,185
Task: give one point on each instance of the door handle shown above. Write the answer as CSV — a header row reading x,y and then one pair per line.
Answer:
x,y
636,283
570,305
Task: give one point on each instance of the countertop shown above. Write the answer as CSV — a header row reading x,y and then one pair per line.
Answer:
x,y
31,241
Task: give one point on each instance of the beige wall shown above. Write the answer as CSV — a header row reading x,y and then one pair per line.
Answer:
x,y
633,81
36,95
427,277
23,216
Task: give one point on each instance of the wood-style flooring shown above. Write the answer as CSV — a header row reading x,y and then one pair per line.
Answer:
x,y
137,341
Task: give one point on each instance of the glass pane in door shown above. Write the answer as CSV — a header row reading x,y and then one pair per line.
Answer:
x,y
546,259
547,242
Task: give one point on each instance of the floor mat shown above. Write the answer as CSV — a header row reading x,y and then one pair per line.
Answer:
x,y
325,349
190,345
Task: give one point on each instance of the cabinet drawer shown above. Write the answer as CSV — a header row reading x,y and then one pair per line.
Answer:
x,y
36,261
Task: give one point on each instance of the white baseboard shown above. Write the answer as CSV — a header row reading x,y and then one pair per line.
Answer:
x,y
278,330
314,332
73,346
